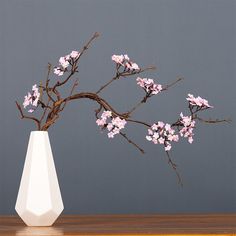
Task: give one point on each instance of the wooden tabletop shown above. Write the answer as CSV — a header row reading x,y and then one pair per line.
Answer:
x,y
212,224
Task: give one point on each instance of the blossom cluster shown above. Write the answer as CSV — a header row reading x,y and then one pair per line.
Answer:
x,y
149,86
198,101
189,125
161,133
32,98
113,125
124,60
65,61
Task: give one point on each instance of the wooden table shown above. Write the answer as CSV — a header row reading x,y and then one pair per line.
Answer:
x,y
217,224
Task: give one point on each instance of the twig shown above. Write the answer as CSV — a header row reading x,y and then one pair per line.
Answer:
x,y
71,92
27,117
149,95
174,167
105,85
212,121
124,74
139,122
74,66
131,142
172,84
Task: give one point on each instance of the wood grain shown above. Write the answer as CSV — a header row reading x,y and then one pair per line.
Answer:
x,y
212,224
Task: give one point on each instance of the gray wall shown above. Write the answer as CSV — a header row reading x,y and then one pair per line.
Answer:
x,y
189,38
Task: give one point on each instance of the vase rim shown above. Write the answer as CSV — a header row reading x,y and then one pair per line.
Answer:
x,y
39,131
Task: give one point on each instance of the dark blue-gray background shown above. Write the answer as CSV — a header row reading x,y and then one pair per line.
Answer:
x,y
189,38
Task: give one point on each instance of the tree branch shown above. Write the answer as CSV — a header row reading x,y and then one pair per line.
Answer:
x,y
27,117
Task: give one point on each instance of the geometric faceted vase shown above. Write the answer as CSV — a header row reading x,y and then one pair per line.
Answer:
x,y
39,201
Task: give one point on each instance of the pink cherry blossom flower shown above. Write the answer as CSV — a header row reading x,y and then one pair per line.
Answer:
x,y
32,98
161,140
149,86
131,66
106,114
63,62
149,138
27,100
134,66
110,135
167,147
161,133
124,60
188,126
58,71
118,59
74,54
100,122
126,57
198,101
110,126
113,125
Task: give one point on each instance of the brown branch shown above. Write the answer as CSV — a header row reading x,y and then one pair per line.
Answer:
x,y
212,121
94,97
136,106
174,167
86,46
131,142
47,89
105,85
74,66
139,122
45,110
50,122
27,117
149,95
172,84
71,92
124,74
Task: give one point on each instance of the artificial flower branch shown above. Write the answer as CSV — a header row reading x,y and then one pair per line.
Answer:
x,y
107,117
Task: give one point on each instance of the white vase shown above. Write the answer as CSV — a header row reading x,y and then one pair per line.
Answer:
x,y
39,201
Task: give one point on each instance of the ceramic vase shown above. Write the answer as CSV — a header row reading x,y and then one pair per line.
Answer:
x,y
39,201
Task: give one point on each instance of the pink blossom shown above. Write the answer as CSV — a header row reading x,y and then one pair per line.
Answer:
x,y
134,66
149,86
168,147
161,133
190,139
100,122
124,60
198,101
27,100
131,66
161,140
110,135
126,57
32,98
118,59
110,126
106,114
58,71
160,124
149,138
63,62
74,54
188,126
113,125
120,123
